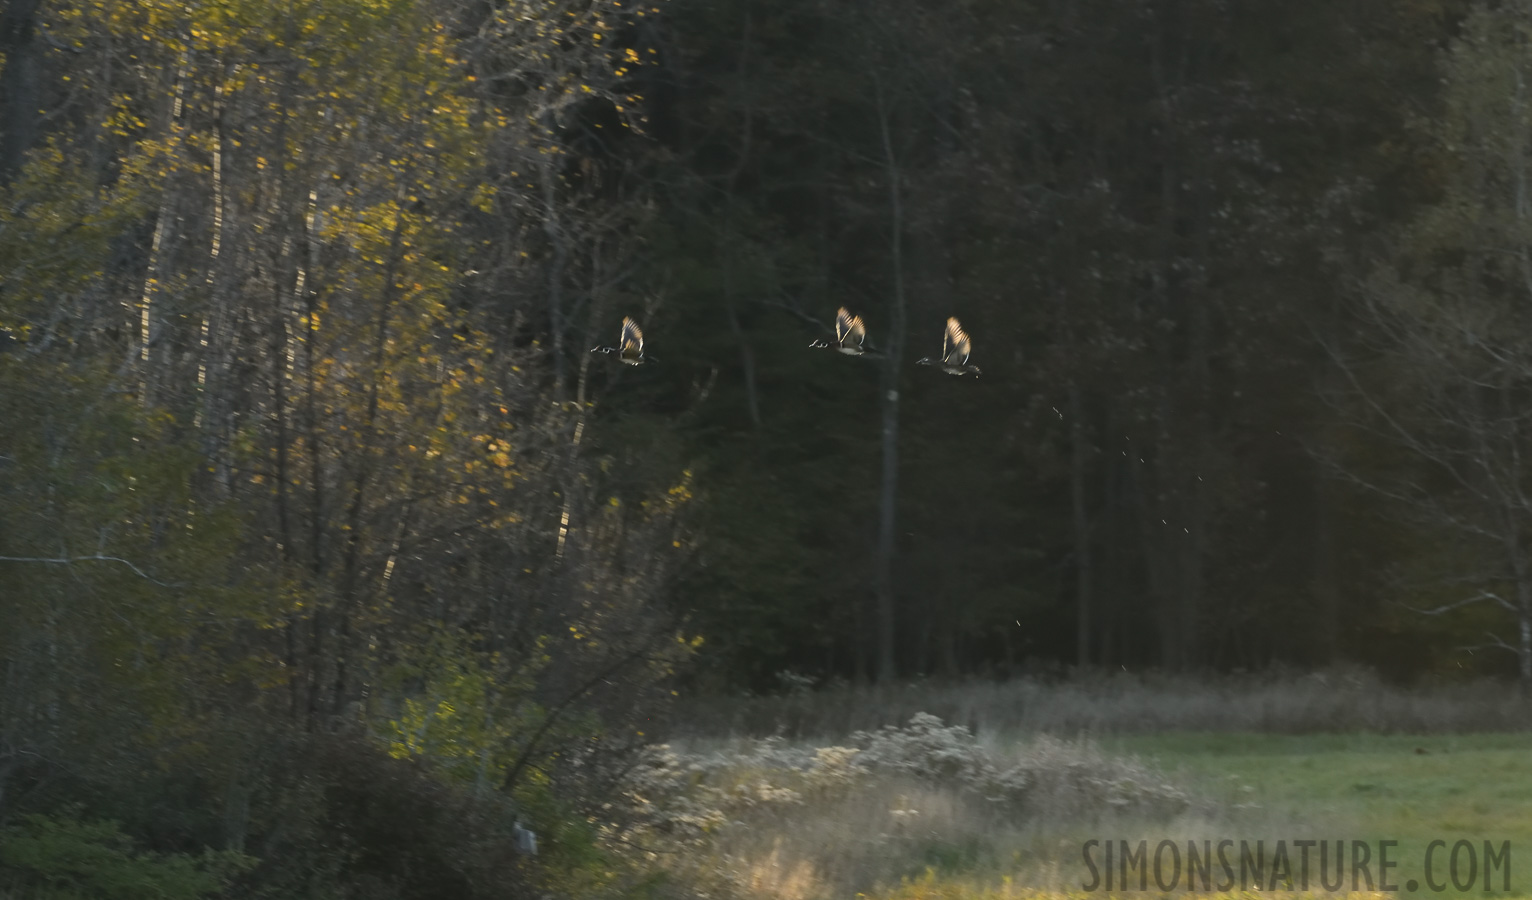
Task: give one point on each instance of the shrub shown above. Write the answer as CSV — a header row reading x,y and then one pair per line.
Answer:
x,y
68,859
765,818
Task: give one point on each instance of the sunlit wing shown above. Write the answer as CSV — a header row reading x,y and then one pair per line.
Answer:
x,y
632,337
843,324
857,332
955,344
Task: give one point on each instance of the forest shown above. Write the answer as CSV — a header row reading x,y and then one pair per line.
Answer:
x,y
325,540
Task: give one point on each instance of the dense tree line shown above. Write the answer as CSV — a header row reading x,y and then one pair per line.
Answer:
x,y
306,467
1153,219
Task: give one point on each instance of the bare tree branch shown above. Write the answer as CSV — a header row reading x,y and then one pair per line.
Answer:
x,y
69,560
1494,643
1448,607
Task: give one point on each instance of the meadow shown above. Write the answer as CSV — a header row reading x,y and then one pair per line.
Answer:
x,y
847,793
1409,788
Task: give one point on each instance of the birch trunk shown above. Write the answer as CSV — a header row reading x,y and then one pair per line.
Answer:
x,y
164,236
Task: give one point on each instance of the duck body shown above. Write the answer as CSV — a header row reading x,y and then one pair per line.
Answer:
x,y
850,335
630,349
949,369
840,348
955,350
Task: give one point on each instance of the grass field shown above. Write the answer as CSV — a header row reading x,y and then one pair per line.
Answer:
x,y
1364,787
1255,759
1367,787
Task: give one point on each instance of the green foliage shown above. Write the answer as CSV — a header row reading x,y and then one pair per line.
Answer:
x,y
69,859
470,710
56,235
282,469
114,564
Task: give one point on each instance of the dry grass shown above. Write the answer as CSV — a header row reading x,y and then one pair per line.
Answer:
x,y
1337,701
846,793
761,819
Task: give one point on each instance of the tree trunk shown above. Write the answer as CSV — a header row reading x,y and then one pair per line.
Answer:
x,y
730,301
949,649
1326,592
888,494
554,229
1162,563
164,237
19,94
1523,576
1524,650
202,420
746,353
1081,516
351,585
1194,535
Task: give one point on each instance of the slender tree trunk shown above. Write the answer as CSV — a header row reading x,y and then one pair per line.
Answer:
x,y
1119,527
861,668
888,495
164,236
1194,534
352,575
746,352
730,301
1523,205
1326,591
304,298
1081,521
1325,571
1176,563
1145,477
282,475
554,229
1522,573
214,309
19,93
1524,648
949,649
149,296
283,357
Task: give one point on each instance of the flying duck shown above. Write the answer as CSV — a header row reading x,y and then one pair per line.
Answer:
x,y
631,348
955,348
850,334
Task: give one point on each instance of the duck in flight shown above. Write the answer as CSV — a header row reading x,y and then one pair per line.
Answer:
x,y
631,348
955,349
850,335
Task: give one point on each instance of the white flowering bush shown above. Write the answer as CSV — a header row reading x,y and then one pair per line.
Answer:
x,y
689,796
769,819
929,750
1070,778
1077,778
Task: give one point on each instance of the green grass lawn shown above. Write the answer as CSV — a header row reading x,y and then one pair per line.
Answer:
x,y
1368,787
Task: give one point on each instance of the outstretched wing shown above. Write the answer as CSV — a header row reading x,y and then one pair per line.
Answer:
x,y
632,338
858,331
843,321
848,328
955,344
